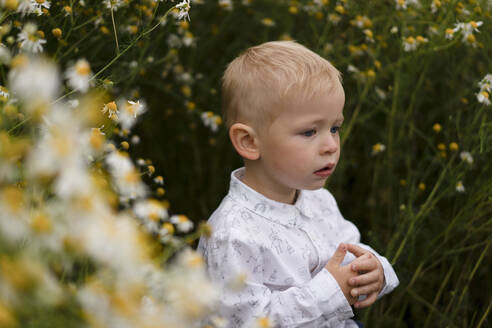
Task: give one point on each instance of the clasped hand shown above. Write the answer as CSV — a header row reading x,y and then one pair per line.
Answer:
x,y
364,276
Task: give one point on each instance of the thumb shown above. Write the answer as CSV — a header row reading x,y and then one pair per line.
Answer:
x,y
339,254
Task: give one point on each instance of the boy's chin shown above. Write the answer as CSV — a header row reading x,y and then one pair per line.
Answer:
x,y
316,185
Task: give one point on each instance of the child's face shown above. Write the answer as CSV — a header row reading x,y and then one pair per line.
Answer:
x,y
301,148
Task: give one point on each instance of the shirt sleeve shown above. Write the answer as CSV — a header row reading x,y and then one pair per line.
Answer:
x,y
350,234
231,256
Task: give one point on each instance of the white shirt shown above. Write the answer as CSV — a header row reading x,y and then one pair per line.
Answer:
x,y
283,250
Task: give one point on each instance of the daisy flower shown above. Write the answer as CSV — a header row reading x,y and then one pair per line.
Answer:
x,y
79,75
467,157
26,7
184,8
39,5
182,222
112,109
378,148
129,111
113,4
31,40
212,121
150,211
35,80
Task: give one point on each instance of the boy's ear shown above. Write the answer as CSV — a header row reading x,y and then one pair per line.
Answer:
x,y
245,141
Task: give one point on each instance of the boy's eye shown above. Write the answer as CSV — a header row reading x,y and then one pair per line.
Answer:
x,y
335,129
309,133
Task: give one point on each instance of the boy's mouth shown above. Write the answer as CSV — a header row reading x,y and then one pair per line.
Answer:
x,y
326,171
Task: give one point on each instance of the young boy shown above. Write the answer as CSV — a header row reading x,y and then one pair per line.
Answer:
x,y
302,263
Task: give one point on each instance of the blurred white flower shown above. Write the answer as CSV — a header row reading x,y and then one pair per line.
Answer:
x,y
403,4
34,80
26,7
380,93
113,4
182,222
31,40
486,83
150,211
467,30
394,30
226,4
129,111
13,218
79,75
460,187
352,69
184,278
467,157
125,177
62,151
211,120
378,148
5,55
483,97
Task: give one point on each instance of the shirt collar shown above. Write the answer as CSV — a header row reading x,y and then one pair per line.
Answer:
x,y
285,214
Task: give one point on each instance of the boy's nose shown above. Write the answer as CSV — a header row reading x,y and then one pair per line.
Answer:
x,y
329,145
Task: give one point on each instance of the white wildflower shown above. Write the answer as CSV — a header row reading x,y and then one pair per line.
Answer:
x,y
182,222
467,30
5,55
79,75
483,97
436,4
125,177
39,5
380,93
184,8
403,4
112,109
113,4
352,69
460,187
26,7
34,80
212,121
129,111
410,44
378,148
31,40
486,83
394,30
467,157
150,211
226,4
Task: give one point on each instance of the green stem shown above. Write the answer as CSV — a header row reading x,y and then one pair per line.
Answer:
x,y
114,29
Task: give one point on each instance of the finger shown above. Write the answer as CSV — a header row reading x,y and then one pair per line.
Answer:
x,y
356,250
368,301
364,279
339,254
365,290
364,265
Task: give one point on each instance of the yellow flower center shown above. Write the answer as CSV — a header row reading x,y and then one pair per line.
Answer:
x,y
41,223
83,67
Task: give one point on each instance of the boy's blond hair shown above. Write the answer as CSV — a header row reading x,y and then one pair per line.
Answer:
x,y
257,82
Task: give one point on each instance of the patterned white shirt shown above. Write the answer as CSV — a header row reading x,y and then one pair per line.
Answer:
x,y
282,251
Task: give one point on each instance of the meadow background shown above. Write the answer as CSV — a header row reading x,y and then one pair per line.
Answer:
x,y
415,173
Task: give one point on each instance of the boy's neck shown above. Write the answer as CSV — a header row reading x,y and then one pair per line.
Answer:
x,y
261,183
